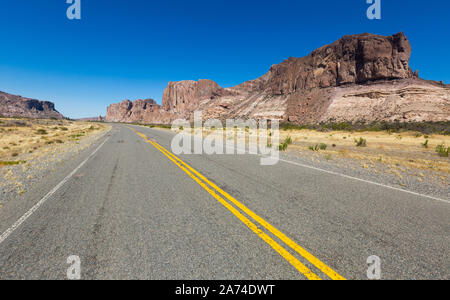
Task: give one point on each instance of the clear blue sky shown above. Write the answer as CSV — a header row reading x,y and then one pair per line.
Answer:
x,y
131,49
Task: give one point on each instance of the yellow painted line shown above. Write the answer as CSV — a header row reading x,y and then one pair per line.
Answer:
x,y
300,250
277,247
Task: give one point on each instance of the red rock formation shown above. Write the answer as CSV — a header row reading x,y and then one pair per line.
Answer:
x,y
311,89
18,106
185,96
352,59
139,111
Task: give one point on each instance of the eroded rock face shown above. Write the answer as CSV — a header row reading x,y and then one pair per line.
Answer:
x,y
139,111
185,96
352,59
118,112
18,106
397,101
334,83
403,100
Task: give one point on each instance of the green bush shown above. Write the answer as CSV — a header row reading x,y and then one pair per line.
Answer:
x,y
390,127
41,131
361,142
314,148
442,150
288,140
11,163
323,146
283,146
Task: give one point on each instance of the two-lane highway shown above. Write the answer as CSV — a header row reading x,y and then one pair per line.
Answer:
x,y
131,209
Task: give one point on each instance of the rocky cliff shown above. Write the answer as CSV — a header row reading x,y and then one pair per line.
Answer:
x,y
18,106
185,96
361,77
140,111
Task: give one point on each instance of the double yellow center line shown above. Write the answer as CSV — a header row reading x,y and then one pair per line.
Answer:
x,y
220,194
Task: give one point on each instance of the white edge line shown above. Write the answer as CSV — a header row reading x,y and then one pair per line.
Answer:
x,y
345,176
19,222
363,180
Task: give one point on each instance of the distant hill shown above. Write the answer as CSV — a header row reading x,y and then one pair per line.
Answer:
x,y
18,106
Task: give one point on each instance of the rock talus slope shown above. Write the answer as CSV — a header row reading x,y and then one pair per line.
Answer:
x,y
359,78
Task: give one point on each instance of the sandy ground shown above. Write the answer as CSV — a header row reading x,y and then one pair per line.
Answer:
x,y
401,159
30,148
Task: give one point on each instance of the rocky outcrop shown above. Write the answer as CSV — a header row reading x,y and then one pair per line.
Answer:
x,y
336,82
392,101
18,106
139,111
185,96
352,59
404,100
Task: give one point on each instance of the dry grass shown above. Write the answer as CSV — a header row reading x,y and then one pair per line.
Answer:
x,y
403,149
19,137
400,152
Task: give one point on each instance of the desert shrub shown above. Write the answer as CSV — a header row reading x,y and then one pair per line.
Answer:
x,y
314,148
288,140
425,145
338,126
283,146
64,128
323,146
442,151
11,163
361,142
390,127
41,131
291,126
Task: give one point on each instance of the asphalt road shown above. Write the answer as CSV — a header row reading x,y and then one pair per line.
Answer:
x,y
133,211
